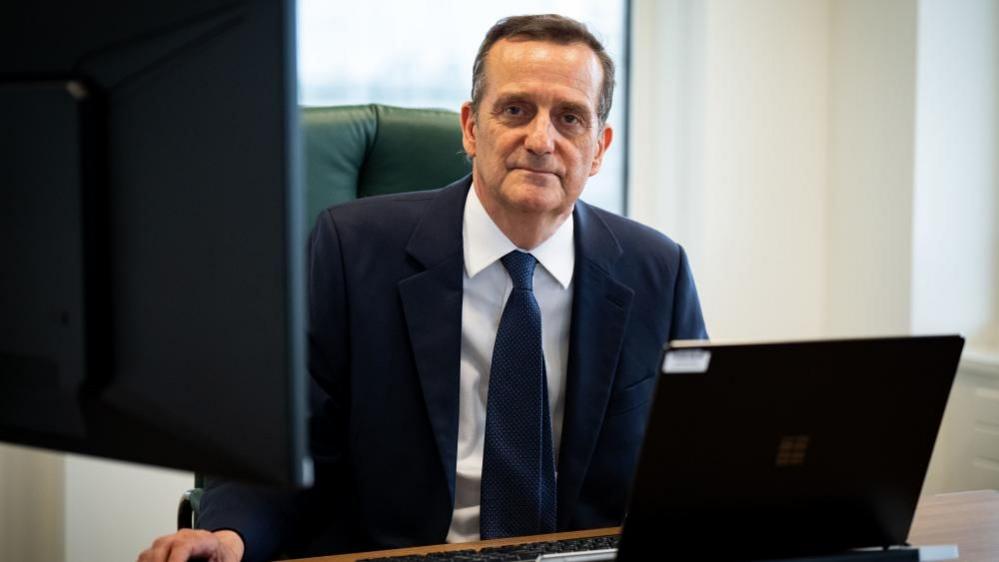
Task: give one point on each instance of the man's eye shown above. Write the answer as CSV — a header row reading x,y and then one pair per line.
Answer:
x,y
514,110
571,119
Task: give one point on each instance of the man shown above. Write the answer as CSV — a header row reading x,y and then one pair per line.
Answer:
x,y
485,353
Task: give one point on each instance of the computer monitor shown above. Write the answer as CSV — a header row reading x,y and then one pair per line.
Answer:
x,y
151,234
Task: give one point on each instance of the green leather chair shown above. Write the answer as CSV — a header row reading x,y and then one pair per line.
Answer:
x,y
362,150
358,151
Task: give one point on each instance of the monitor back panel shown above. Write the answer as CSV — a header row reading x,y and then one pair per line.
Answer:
x,y
153,285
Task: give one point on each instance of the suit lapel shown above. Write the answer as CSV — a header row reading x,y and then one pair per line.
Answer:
x,y
599,314
431,301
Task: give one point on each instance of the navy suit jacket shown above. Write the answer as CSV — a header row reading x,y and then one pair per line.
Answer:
x,y
385,295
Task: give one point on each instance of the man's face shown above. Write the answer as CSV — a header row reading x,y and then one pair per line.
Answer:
x,y
536,137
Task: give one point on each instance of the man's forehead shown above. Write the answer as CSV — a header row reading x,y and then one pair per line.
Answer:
x,y
513,64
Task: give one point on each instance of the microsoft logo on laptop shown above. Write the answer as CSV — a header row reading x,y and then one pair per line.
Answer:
x,y
791,450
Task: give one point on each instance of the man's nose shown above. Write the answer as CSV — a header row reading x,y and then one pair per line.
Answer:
x,y
541,135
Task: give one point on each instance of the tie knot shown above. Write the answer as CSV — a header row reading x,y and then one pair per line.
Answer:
x,y
520,266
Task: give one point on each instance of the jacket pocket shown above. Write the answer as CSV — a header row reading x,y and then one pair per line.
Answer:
x,y
631,397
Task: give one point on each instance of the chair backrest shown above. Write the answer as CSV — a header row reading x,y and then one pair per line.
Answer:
x,y
362,150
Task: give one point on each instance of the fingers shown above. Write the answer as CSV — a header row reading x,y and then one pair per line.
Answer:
x,y
158,551
232,545
187,541
183,544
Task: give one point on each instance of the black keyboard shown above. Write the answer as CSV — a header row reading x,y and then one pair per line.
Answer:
x,y
511,553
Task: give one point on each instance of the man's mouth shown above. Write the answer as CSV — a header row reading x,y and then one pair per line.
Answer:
x,y
536,170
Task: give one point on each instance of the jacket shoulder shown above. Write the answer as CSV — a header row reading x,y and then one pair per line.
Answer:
x,y
395,212
381,208
634,236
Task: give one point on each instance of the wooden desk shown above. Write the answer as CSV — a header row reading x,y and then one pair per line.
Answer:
x,y
967,519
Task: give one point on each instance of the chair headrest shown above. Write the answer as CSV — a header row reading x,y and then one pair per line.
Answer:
x,y
362,150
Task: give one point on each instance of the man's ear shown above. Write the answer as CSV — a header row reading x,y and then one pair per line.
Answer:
x,y
468,128
604,138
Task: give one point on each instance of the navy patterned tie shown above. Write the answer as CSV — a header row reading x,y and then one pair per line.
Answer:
x,y
518,467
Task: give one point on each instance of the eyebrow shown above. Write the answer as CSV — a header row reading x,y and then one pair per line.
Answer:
x,y
576,108
511,98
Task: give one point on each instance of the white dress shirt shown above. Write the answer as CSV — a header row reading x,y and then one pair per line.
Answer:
x,y
486,288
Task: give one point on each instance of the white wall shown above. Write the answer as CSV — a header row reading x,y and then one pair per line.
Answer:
x,y
730,158
31,505
666,79
764,168
955,239
778,141
114,510
869,202
833,168
70,508
956,195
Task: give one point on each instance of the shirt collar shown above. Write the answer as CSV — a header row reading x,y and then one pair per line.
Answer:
x,y
485,243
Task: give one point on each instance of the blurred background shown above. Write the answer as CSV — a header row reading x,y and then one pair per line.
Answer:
x,y
831,166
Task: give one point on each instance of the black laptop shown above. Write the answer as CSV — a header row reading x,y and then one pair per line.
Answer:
x,y
779,450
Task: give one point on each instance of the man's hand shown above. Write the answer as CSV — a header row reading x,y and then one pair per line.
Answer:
x,y
220,546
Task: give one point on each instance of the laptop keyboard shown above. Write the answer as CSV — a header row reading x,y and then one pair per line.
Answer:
x,y
511,553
